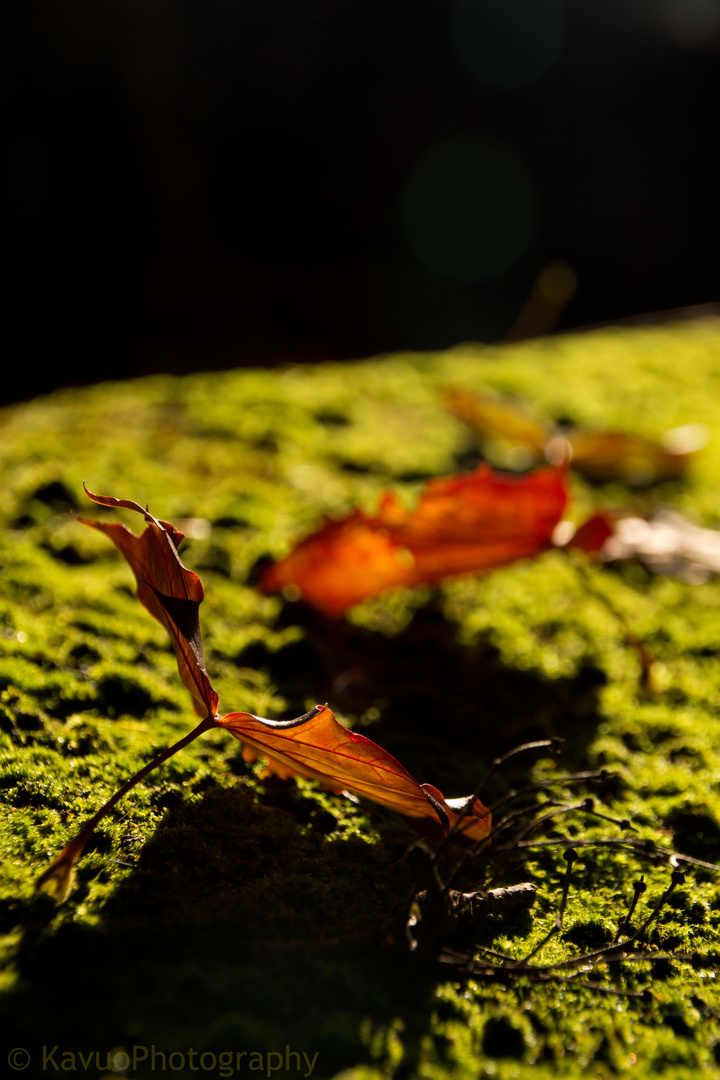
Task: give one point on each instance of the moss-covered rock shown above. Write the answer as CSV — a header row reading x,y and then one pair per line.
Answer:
x,y
224,913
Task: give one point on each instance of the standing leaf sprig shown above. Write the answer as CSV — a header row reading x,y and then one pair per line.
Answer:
x,y
314,745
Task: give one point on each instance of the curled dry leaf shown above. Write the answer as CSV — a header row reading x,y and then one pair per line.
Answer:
x,y
461,524
169,591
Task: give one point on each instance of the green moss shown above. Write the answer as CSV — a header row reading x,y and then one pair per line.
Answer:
x,y
225,911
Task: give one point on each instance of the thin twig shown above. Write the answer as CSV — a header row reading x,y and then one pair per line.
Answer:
x,y
639,888
570,856
541,744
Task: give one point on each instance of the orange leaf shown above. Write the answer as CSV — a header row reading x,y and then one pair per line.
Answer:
x,y
461,524
318,747
169,591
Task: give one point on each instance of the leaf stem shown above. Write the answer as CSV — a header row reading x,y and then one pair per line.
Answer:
x,y
57,879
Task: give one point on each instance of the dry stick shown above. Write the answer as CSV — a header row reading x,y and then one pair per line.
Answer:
x,y
539,745
506,822
532,825
497,829
57,879
433,877
542,785
500,827
643,848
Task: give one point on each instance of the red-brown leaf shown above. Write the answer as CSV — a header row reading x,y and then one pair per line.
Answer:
x,y
599,455
169,591
632,458
593,534
318,747
461,524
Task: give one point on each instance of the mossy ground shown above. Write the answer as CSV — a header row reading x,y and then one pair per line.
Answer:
x,y
219,911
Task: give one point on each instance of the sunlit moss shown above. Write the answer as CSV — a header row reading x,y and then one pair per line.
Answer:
x,y
225,909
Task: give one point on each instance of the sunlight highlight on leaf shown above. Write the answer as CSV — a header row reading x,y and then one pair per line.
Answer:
x,y
316,746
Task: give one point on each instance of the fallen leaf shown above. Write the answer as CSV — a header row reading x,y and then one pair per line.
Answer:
x,y
633,459
461,524
497,418
599,455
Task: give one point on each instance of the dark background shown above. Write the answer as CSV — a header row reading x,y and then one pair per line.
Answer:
x,y
209,184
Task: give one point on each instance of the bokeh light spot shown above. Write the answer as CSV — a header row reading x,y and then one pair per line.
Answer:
x,y
693,24
507,44
557,283
468,210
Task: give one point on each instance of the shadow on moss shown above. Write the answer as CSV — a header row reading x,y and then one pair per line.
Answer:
x,y
239,930
264,926
443,708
